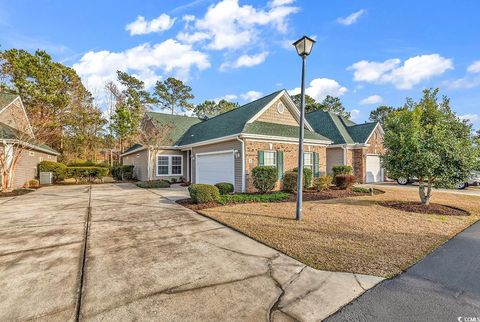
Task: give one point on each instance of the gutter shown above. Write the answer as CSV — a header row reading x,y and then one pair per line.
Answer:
x,y
243,162
31,146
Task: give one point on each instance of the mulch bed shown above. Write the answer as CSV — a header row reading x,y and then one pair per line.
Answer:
x,y
15,193
432,209
332,193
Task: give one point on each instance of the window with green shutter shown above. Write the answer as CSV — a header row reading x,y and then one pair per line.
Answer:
x,y
260,158
316,168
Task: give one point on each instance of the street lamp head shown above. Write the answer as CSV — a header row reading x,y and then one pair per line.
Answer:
x,y
304,46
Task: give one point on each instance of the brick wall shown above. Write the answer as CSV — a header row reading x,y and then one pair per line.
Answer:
x,y
290,157
376,143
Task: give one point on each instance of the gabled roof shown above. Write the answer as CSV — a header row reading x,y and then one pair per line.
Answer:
x,y
134,147
341,130
6,99
9,133
229,123
174,126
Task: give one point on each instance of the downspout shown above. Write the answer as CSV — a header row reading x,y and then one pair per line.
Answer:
x,y
243,162
344,154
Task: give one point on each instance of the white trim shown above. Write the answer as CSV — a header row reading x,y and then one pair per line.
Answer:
x,y
291,107
373,131
207,142
311,158
213,153
243,163
274,157
31,146
170,165
134,151
349,146
284,139
148,164
284,142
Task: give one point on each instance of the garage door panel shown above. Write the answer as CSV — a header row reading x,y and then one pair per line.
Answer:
x,y
373,169
214,168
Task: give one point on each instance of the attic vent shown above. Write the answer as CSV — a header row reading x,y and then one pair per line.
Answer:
x,y
280,108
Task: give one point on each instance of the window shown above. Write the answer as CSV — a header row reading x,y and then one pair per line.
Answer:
x,y
269,158
308,160
49,156
176,165
162,165
169,165
280,108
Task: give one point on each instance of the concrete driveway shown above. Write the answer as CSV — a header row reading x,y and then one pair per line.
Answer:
x,y
147,258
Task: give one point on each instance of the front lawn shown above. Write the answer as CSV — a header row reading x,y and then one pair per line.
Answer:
x,y
354,234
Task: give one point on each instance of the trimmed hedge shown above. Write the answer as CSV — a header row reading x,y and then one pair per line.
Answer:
x,y
59,170
345,181
153,184
123,172
290,181
322,183
83,164
307,176
203,193
254,197
88,174
264,178
225,188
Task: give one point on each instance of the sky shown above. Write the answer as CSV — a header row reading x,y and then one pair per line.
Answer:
x,y
369,53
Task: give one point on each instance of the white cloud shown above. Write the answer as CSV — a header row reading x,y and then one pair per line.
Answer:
x,y
277,3
354,114
232,26
403,76
319,88
142,26
351,19
245,61
465,82
193,37
251,96
471,117
373,99
228,97
144,60
474,67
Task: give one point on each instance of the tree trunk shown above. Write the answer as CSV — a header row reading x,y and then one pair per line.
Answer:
x,y
425,191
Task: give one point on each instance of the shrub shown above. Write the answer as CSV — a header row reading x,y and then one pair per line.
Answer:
x,y
225,188
153,184
254,197
58,169
342,169
123,172
173,180
89,174
344,181
290,181
307,176
203,193
322,183
264,178
34,183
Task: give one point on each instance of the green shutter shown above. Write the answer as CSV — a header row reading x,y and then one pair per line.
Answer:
x,y
260,157
280,164
316,158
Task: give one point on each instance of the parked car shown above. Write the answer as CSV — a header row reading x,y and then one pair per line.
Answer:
x,y
473,180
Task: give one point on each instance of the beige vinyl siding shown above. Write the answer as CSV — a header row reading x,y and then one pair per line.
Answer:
x,y
27,166
140,162
271,115
335,156
223,146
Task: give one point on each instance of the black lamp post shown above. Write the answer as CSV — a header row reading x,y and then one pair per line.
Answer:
x,y
304,47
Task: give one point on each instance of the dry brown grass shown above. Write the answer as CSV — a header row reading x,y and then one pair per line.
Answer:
x,y
352,234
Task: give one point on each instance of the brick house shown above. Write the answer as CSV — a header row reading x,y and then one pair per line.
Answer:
x,y
14,124
357,145
225,148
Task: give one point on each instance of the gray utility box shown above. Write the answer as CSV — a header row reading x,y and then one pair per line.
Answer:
x,y
46,177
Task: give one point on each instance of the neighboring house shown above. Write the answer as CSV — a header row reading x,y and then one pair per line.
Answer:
x,y
14,125
357,145
226,148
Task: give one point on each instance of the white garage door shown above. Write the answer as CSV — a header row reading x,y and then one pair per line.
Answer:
x,y
215,168
374,169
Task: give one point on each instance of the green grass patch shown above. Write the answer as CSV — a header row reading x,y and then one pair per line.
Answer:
x,y
153,184
254,197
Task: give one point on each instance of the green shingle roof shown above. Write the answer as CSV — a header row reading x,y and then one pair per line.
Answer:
x,y
6,98
272,129
174,126
229,123
9,133
133,147
339,129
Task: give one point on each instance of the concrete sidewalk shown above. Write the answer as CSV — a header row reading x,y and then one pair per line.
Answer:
x,y
444,286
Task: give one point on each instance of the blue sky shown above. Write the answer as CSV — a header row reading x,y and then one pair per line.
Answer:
x,y
367,52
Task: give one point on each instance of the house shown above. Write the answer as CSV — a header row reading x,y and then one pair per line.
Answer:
x,y
16,133
226,148
357,145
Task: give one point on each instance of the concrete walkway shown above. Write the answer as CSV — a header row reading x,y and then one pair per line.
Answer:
x,y
444,286
147,258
